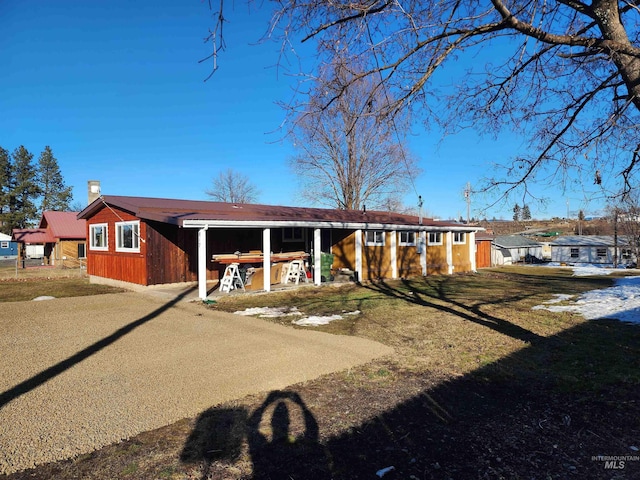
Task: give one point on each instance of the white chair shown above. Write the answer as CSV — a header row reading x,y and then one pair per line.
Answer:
x,y
295,270
231,278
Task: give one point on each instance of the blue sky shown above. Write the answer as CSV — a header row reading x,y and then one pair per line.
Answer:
x,y
117,91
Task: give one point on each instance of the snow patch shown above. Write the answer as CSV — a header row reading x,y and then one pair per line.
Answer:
x,y
43,297
621,302
310,321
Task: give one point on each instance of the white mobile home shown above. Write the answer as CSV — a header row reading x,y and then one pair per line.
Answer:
x,y
596,249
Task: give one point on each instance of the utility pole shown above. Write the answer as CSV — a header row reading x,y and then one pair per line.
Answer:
x,y
467,196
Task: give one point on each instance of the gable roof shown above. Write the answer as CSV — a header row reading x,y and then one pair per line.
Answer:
x,y
194,214
514,241
64,225
4,237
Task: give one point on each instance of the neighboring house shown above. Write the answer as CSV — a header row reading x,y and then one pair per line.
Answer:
x,y
510,249
60,239
596,249
151,241
8,247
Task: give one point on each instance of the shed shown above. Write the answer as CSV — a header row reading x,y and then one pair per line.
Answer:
x,y
150,241
509,249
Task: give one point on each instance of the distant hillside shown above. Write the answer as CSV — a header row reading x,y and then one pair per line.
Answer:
x,y
536,228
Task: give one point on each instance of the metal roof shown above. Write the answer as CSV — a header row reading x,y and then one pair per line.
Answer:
x,y
589,241
197,214
64,225
514,241
33,235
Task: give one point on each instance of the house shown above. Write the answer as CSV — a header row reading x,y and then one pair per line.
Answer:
x,y
594,249
60,239
8,248
510,249
150,241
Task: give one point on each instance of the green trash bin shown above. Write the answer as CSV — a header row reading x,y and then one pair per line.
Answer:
x,y
326,260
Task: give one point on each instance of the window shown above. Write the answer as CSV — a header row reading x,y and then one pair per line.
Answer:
x,y
627,254
292,234
601,252
374,238
407,239
575,253
128,236
435,238
4,244
82,250
98,237
458,237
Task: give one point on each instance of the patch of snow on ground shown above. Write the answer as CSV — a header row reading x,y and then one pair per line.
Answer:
x,y
622,302
275,312
43,297
270,312
315,320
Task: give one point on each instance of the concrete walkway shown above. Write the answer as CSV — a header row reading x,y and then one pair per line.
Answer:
x,y
80,373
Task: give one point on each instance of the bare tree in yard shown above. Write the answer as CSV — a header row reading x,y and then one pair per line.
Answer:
x,y
233,187
564,74
349,157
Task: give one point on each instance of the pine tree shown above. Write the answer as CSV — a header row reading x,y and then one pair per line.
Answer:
x,y
6,185
526,213
55,194
516,213
25,190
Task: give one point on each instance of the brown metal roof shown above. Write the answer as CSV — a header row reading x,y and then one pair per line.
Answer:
x,y
64,225
177,211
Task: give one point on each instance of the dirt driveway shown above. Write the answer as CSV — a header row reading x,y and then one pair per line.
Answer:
x,y
80,373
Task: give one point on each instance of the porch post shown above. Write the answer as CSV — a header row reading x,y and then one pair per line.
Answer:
x,y
423,252
202,263
317,253
266,258
359,254
472,251
394,254
449,252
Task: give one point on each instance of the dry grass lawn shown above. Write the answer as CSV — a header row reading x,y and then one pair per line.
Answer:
x,y
480,386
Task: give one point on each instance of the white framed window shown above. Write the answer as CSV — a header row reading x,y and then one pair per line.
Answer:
x,y
374,238
407,239
4,244
627,254
575,253
98,237
435,238
292,234
128,236
459,237
601,252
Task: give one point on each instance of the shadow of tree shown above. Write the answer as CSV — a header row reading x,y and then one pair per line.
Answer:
x,y
62,366
542,412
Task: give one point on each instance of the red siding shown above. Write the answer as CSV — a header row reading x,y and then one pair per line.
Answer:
x,y
127,267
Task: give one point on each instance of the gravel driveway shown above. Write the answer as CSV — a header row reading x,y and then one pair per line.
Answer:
x,y
80,373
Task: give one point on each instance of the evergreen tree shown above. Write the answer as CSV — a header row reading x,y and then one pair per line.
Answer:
x,y
6,186
516,213
526,213
55,194
25,190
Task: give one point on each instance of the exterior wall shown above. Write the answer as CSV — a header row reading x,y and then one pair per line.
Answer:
x,y
589,254
344,249
437,258
123,266
11,251
172,254
65,254
461,256
408,259
376,260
